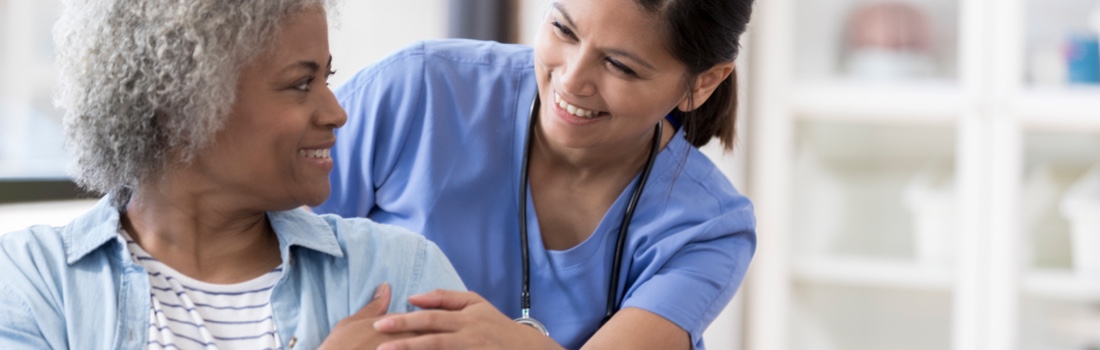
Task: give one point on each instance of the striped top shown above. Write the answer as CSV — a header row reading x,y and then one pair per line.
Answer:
x,y
190,314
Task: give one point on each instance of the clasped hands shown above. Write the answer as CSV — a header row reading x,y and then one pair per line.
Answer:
x,y
448,320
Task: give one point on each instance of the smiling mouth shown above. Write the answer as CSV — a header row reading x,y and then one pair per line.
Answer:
x,y
314,153
574,110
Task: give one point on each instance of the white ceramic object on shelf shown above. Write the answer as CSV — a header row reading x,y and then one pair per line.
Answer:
x,y
1040,195
930,198
1081,206
822,206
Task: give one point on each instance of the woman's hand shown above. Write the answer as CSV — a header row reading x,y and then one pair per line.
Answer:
x,y
357,332
459,320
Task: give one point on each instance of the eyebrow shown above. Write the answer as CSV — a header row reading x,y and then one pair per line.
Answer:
x,y
613,51
312,66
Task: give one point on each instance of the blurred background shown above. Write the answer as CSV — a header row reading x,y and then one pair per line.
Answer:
x,y
926,173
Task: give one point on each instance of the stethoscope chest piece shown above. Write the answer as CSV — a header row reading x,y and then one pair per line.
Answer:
x,y
534,324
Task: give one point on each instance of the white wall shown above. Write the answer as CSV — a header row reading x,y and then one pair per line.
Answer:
x,y
365,31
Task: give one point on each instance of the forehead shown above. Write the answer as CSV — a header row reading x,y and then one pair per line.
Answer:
x,y
618,23
302,35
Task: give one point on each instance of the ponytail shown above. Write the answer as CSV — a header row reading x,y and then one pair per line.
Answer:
x,y
717,117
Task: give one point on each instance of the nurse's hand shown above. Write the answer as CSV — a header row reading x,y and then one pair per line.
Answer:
x,y
459,320
357,332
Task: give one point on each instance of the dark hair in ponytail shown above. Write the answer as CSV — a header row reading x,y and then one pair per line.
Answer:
x,y
702,34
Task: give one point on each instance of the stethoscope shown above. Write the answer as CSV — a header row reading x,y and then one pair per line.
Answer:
x,y
612,295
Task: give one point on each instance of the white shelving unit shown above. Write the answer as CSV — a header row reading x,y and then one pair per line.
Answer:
x,y
835,161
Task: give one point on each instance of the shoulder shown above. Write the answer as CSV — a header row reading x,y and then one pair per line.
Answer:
x,y
409,262
37,273
364,235
27,250
700,186
369,243
433,59
44,254
475,52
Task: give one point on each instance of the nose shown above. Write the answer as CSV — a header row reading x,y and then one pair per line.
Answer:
x,y
330,114
576,76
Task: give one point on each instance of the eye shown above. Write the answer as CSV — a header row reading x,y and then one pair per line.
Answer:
x,y
303,85
564,31
622,68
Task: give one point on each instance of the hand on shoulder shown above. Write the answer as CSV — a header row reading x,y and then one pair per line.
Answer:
x,y
459,320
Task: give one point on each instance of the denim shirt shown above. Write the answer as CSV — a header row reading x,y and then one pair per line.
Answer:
x,y
77,286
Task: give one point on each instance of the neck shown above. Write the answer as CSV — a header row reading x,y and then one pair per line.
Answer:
x,y
625,158
199,232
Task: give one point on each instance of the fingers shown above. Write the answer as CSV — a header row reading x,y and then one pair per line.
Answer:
x,y
434,341
378,305
421,321
445,299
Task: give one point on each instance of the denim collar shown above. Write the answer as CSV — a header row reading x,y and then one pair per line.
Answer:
x,y
295,227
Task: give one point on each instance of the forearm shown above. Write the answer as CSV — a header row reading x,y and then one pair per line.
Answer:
x,y
634,328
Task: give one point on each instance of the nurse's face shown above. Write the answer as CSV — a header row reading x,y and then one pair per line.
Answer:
x,y
604,73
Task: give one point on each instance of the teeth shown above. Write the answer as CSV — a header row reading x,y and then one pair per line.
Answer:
x,y
314,153
574,110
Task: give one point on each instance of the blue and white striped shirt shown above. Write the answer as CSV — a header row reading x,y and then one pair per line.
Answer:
x,y
189,314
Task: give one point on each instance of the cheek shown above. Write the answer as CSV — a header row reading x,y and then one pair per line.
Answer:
x,y
643,101
547,52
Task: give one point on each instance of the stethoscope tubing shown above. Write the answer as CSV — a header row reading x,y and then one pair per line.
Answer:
x,y
613,302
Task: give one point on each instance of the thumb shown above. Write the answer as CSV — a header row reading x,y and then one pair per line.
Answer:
x,y
378,305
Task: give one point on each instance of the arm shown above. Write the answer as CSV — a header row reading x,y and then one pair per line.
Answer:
x,y
634,328
694,285
700,279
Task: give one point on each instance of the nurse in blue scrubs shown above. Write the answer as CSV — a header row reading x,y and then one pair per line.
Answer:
x,y
563,181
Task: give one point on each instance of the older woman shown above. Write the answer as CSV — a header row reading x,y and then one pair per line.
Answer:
x,y
206,123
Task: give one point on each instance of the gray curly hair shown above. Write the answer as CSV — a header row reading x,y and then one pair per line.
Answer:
x,y
147,82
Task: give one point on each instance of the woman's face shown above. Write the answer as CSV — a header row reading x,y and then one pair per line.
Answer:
x,y
604,73
274,148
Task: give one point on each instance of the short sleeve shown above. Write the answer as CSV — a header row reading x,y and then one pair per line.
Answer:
x,y
697,282
382,103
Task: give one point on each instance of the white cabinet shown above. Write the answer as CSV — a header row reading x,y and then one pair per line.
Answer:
x,y
915,166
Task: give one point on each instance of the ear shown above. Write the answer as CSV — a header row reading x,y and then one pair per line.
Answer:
x,y
705,84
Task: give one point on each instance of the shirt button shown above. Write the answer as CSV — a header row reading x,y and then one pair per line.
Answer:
x,y
292,343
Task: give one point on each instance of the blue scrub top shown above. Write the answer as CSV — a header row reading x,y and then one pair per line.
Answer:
x,y
434,143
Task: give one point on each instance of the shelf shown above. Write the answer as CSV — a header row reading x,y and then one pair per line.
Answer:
x,y
1061,284
923,102
873,272
1075,108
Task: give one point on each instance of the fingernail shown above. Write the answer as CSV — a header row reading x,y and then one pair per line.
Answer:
x,y
387,347
378,291
383,324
